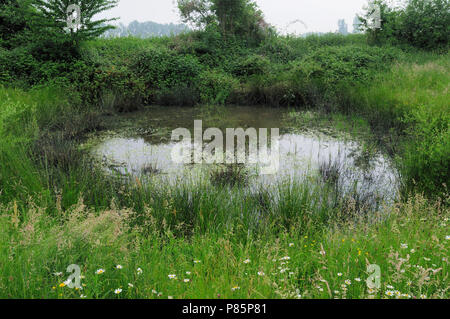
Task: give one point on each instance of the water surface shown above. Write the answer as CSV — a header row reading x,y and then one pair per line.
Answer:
x,y
139,145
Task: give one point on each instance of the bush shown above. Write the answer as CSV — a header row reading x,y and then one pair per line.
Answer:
x,y
251,65
334,65
423,24
161,68
216,86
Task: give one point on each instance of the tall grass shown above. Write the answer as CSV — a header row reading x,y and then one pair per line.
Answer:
x,y
410,246
410,103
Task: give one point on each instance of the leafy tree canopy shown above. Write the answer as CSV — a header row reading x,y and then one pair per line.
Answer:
x,y
233,17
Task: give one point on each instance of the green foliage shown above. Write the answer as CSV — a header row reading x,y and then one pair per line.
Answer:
x,y
250,65
423,24
334,65
216,87
233,17
53,14
161,68
427,156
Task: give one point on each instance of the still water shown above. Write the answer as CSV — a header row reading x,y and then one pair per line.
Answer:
x,y
139,145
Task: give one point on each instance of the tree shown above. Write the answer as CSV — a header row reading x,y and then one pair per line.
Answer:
x,y
233,17
53,14
13,21
424,24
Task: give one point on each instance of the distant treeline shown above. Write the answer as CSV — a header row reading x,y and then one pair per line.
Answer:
x,y
146,30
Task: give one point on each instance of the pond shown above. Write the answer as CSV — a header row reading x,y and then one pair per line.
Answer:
x,y
139,145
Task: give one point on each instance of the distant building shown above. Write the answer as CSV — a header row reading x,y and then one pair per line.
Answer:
x,y
343,27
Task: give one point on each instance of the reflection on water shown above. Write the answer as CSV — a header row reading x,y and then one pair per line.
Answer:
x,y
141,146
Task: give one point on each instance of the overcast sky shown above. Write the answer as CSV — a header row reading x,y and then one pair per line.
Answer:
x,y
317,15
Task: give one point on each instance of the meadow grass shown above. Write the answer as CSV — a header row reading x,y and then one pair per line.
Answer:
x,y
410,245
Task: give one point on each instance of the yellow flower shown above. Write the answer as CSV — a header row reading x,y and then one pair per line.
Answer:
x,y
61,285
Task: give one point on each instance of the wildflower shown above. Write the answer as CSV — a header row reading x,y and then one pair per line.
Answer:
x,y
348,282
197,261
130,285
188,272
61,285
100,271
397,293
291,245
389,287
423,297
358,279
119,267
82,296
169,297
299,296
371,291
404,246
139,271
389,293
154,291
447,237
406,296
336,292
426,259
117,291
260,273
58,274
172,276
235,288
285,258
186,280
247,261
413,251
339,274
53,287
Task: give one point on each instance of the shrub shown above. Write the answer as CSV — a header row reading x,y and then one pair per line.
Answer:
x,y
251,65
216,86
423,24
161,68
333,65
